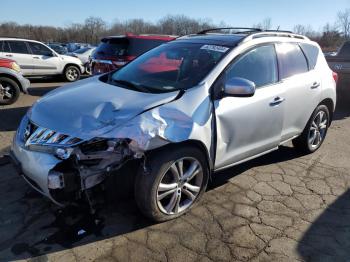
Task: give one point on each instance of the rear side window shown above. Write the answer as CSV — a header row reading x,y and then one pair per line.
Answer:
x,y
18,47
292,60
112,47
139,46
258,65
311,53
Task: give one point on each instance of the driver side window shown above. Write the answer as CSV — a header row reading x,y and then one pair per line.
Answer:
x,y
39,49
258,65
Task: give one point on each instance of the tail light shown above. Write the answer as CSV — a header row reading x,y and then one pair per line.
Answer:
x,y
335,77
15,67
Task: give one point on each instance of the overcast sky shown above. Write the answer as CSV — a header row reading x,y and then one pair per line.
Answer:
x,y
235,12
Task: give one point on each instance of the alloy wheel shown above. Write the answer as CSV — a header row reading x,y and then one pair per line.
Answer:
x,y
6,92
318,129
179,186
72,74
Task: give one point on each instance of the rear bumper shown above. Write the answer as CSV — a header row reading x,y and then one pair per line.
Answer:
x,y
102,66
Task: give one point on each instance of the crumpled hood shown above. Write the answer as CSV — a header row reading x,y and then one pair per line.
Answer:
x,y
89,108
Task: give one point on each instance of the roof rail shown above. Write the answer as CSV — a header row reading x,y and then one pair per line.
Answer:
x,y
271,33
243,30
159,35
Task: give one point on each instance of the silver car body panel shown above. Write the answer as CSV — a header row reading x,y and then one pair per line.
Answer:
x,y
24,82
232,130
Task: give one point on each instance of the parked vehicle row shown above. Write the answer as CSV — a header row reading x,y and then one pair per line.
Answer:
x,y
177,113
59,48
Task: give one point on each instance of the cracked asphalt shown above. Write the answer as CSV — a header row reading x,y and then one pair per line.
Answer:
x,y
280,207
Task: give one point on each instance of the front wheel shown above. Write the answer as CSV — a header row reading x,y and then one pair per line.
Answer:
x,y
72,73
315,131
9,91
176,181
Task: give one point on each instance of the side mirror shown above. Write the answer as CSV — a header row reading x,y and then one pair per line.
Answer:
x,y
239,87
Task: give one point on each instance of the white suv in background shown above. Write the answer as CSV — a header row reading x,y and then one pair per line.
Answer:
x,y
37,59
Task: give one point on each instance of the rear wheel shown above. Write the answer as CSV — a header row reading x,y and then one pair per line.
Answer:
x,y
175,183
9,91
315,131
72,73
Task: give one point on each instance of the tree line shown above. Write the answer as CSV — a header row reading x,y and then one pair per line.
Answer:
x,y
94,28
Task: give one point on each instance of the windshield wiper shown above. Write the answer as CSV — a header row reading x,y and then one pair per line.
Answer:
x,y
130,85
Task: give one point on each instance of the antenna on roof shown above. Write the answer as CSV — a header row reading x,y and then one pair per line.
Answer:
x,y
278,28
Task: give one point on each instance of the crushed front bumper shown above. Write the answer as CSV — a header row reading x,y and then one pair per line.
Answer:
x,y
34,167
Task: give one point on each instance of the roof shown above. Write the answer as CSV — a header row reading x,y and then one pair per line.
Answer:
x,y
16,39
143,36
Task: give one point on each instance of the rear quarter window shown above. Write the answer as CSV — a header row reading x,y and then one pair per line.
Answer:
x,y
292,60
311,53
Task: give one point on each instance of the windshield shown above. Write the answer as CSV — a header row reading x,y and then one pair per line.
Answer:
x,y
169,67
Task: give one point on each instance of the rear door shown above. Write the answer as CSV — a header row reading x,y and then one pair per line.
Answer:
x,y
302,87
18,51
45,62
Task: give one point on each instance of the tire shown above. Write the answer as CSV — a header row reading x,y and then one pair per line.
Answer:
x,y
316,128
148,187
9,91
72,73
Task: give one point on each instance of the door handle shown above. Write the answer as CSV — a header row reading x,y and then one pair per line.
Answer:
x,y
9,55
315,85
276,101
35,57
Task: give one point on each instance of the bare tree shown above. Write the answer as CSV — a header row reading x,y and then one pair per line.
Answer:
x,y
266,24
93,29
343,20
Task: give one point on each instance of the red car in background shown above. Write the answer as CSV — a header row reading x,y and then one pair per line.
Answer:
x,y
116,51
12,83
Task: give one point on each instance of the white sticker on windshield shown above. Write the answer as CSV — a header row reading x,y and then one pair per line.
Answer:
x,y
217,48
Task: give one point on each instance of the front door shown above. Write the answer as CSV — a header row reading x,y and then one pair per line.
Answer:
x,y
249,126
45,61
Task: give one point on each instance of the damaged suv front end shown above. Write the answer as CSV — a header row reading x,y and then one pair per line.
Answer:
x,y
63,162
63,167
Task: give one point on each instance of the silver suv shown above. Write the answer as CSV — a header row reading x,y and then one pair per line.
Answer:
x,y
179,113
